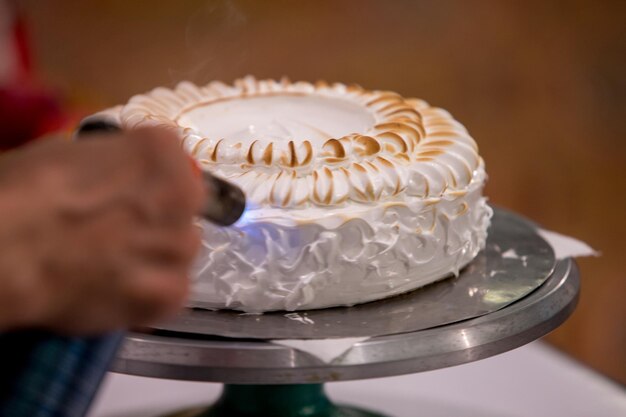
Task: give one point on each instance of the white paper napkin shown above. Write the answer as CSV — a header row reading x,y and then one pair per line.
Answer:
x,y
326,350
565,246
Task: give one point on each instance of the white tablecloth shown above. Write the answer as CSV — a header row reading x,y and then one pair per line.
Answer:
x,y
532,381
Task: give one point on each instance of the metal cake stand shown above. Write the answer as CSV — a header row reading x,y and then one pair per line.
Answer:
x,y
513,293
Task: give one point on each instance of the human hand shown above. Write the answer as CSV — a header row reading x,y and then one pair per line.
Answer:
x,y
98,234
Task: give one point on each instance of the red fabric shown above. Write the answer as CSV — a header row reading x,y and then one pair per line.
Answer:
x,y
24,56
26,114
27,110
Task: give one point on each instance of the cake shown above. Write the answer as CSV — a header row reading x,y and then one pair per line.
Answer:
x,y
353,195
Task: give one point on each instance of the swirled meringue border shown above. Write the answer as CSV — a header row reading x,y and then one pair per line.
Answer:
x,y
412,148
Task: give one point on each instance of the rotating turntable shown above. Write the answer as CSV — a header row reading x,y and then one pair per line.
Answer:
x,y
513,293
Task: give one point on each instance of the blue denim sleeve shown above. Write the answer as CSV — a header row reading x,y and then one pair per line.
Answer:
x,y
46,375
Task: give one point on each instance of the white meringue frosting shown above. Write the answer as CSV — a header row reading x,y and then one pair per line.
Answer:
x,y
354,195
278,117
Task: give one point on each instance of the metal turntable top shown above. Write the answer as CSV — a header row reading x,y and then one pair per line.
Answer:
x,y
515,261
508,301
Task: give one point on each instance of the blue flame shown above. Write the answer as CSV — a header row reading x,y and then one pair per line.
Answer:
x,y
244,220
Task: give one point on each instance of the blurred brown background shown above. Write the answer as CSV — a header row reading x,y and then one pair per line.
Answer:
x,y
541,85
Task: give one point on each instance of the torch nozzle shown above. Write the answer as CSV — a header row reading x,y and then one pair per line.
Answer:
x,y
225,201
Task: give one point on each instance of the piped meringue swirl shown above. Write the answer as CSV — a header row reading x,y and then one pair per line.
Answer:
x,y
405,147
341,259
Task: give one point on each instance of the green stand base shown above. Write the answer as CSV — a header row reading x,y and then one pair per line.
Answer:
x,y
307,400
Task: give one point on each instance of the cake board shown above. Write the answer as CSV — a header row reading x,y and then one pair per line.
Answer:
x,y
267,379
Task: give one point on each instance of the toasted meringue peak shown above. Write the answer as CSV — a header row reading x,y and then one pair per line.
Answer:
x,y
302,145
